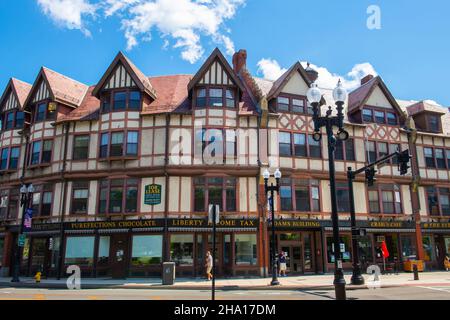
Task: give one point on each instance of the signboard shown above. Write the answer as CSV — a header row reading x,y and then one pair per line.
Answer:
x,y
436,225
28,219
152,194
120,224
21,240
203,223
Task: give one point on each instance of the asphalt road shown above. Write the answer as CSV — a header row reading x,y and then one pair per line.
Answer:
x,y
400,293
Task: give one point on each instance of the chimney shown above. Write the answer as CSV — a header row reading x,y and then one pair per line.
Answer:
x,y
366,79
239,60
312,74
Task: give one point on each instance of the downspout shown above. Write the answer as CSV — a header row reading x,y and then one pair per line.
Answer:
x,y
64,182
166,245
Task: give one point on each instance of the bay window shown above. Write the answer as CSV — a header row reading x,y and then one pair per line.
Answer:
x,y
41,111
215,97
118,144
119,101
118,196
134,102
215,190
9,123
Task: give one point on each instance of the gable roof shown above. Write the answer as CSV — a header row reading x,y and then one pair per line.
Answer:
x,y
358,97
62,89
139,78
285,77
216,54
19,88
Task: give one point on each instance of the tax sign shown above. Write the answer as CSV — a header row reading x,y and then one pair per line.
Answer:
x,y
152,194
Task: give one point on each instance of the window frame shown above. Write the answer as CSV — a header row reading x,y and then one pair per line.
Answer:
x,y
77,185
224,185
75,137
290,105
43,189
343,147
380,188
107,98
308,145
294,184
386,120
126,185
434,159
41,153
207,97
124,154
437,193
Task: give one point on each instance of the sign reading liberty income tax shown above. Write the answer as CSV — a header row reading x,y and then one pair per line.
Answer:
x,y
152,194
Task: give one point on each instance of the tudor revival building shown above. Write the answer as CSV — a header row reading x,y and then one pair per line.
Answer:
x,y
124,171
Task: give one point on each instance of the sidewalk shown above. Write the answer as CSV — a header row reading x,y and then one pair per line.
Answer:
x,y
307,282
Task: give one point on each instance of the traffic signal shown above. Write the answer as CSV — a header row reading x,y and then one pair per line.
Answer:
x,y
403,160
370,176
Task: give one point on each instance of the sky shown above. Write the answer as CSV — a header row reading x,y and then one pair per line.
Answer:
x,y
405,42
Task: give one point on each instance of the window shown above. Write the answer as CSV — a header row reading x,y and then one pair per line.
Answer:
x,y
382,149
245,249
438,201
447,153
36,152
119,146
80,251
385,199
9,123
300,144
298,105
118,196
345,150
14,158
201,98
391,118
134,102
283,104
81,147
80,196
146,250
40,113
215,97
345,243
119,101
182,249
230,100
4,159
221,191
314,148
433,123
306,195
342,194
106,102
440,159
42,200
379,117
394,147
367,115
429,157
11,198
132,143
285,144
47,151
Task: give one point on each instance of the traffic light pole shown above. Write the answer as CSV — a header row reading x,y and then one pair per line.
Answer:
x,y
357,278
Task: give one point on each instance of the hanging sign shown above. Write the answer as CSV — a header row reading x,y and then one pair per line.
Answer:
x,y
28,219
152,194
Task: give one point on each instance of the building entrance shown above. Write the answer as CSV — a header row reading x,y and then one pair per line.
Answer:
x,y
299,250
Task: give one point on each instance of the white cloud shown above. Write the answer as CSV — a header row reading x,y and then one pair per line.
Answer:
x,y
185,21
270,69
69,13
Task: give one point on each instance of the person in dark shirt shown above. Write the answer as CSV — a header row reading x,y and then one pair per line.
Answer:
x,y
282,262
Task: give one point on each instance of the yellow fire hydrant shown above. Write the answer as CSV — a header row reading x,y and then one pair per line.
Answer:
x,y
37,277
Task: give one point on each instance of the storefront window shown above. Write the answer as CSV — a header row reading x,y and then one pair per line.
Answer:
x,y
182,249
365,249
345,245
80,251
245,249
2,245
427,248
147,250
447,245
103,250
408,247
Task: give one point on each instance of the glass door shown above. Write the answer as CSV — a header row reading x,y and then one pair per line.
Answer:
x,y
308,252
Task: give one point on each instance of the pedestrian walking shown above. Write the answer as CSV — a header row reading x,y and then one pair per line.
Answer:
x,y
209,266
282,261
447,263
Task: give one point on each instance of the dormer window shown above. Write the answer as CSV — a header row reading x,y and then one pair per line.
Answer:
x,y
283,104
121,101
434,123
45,112
379,116
9,123
13,120
291,104
215,97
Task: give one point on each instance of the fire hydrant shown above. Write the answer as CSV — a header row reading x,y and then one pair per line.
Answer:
x,y
37,277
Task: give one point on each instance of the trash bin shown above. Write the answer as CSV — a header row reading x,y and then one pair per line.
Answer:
x,y
168,276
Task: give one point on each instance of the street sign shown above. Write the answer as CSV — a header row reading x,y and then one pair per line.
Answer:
x,y
211,214
21,240
152,194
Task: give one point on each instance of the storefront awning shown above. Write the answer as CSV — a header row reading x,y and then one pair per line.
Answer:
x,y
80,231
373,230
42,233
436,230
147,229
113,230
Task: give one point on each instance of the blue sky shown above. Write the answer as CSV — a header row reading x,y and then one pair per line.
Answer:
x,y
79,38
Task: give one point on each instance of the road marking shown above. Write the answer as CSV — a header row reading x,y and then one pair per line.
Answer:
x,y
39,296
93,298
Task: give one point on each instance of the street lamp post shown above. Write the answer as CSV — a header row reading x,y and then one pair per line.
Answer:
x,y
272,189
26,193
314,97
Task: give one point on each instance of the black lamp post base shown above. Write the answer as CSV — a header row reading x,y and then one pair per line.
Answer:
x,y
357,279
339,290
274,282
